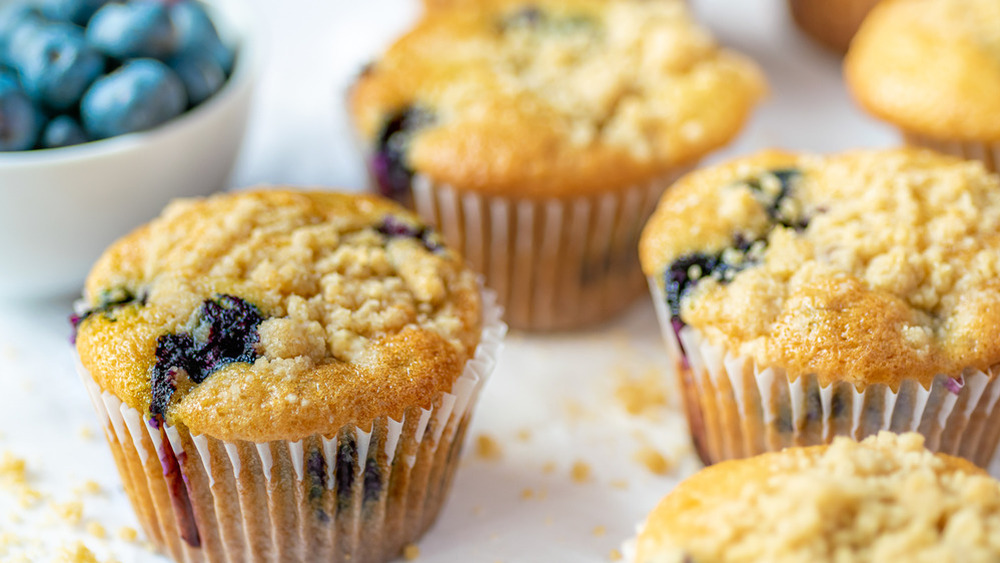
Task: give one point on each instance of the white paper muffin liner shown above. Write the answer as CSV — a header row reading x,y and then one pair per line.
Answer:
x,y
557,263
358,495
737,409
985,152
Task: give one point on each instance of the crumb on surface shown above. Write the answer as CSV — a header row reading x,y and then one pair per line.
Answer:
x,y
620,484
654,461
96,529
411,552
524,434
77,553
527,494
644,395
580,472
85,433
88,487
487,448
549,467
127,533
615,555
71,512
599,531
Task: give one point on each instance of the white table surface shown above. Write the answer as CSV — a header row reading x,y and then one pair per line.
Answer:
x,y
561,388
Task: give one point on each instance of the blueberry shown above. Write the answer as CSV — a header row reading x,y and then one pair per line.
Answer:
x,y
227,333
393,227
201,76
773,201
372,481
56,65
527,16
20,120
63,131
139,95
197,34
685,272
347,456
133,30
108,302
71,11
15,18
389,162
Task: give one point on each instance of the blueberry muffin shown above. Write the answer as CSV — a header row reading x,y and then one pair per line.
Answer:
x,y
832,23
538,135
286,373
803,297
932,69
884,499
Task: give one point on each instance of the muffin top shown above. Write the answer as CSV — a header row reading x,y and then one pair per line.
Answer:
x,y
273,315
884,499
552,97
931,67
867,267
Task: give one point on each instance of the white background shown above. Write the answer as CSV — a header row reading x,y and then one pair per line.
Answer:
x,y
558,388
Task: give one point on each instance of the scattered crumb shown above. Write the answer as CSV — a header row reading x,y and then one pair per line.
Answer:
x,y
77,554
615,555
620,484
411,552
580,472
13,470
549,467
524,434
641,396
85,433
96,529
527,494
14,518
71,512
599,531
477,510
487,448
88,487
654,461
575,410
127,533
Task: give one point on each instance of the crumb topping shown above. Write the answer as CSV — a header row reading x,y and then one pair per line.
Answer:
x,y
885,499
540,95
865,266
317,309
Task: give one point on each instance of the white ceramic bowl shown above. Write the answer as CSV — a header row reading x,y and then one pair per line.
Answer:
x,y
60,208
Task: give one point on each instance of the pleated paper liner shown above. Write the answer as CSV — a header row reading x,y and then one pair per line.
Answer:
x,y
358,495
735,409
558,263
985,152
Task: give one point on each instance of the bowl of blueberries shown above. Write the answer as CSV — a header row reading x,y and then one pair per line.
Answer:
x,y
108,110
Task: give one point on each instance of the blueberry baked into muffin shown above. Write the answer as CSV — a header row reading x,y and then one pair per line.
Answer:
x,y
538,135
932,69
285,373
884,499
803,297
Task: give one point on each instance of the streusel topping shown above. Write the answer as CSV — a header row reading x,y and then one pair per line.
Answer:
x,y
884,499
866,266
554,95
312,309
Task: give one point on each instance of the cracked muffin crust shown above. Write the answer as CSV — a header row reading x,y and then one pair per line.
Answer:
x,y
884,499
866,267
931,67
550,98
274,315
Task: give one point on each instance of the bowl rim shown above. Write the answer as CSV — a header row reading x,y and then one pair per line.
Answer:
x,y
237,16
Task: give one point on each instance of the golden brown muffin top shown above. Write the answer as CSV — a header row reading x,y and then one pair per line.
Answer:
x,y
278,315
884,499
930,67
554,97
867,267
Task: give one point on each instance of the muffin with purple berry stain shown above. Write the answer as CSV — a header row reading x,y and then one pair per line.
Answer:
x,y
805,297
285,373
537,136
